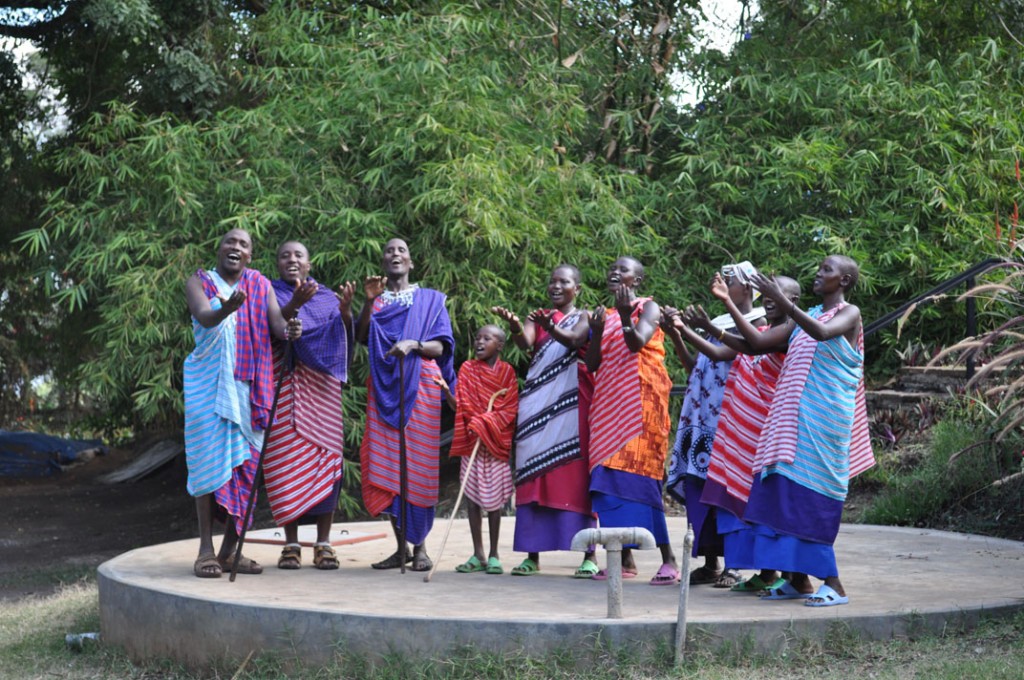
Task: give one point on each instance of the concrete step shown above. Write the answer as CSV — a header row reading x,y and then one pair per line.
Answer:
x,y
898,399
932,379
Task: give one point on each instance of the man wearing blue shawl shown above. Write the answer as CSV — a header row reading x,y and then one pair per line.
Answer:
x,y
403,322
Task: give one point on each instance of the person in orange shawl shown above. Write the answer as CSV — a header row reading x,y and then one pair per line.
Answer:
x,y
488,483
629,422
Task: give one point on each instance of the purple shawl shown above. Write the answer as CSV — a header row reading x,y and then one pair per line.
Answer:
x,y
426,319
325,345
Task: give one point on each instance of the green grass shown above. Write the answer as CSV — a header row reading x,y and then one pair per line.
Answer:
x,y
46,579
953,473
32,646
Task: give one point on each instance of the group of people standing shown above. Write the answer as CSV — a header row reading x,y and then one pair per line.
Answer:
x,y
771,429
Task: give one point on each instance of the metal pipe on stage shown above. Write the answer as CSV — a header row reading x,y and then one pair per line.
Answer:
x,y
613,539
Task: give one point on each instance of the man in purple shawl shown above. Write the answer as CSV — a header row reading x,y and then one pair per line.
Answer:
x,y
303,465
409,334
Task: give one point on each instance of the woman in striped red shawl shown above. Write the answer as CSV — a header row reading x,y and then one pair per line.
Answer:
x,y
629,421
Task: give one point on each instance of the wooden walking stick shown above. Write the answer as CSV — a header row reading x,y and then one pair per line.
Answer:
x,y
286,368
462,488
403,470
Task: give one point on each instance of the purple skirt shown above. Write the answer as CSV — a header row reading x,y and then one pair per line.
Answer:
x,y
325,507
539,529
707,541
789,553
420,520
738,541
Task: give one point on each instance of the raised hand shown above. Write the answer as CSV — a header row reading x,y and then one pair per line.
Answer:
x,y
231,304
373,287
669,319
304,292
345,293
597,322
624,301
514,324
696,317
768,287
719,288
542,319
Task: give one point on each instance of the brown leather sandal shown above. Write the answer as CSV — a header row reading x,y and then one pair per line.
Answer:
x,y
325,558
245,565
207,566
291,557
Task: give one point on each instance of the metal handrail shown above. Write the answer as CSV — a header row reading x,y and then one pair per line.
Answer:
x,y
967,278
947,285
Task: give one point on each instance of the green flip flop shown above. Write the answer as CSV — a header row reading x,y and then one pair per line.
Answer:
x,y
526,568
755,584
494,566
470,566
586,570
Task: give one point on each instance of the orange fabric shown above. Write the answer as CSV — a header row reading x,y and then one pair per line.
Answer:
x,y
477,383
645,454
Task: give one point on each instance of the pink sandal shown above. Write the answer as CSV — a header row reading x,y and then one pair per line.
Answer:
x,y
667,576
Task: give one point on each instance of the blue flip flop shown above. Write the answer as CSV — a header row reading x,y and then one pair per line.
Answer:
x,y
784,592
826,597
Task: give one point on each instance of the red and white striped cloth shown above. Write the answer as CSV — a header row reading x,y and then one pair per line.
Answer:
x,y
477,383
748,397
778,441
489,483
304,453
616,412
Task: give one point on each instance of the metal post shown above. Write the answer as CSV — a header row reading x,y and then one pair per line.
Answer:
x,y
613,538
684,594
972,327
614,559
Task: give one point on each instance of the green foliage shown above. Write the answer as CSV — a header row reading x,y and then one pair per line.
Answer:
x,y
421,125
961,463
884,131
165,55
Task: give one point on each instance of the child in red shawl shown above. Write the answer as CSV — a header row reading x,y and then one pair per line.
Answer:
x,y
488,483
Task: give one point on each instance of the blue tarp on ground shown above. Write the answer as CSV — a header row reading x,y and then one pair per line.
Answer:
x,y
30,454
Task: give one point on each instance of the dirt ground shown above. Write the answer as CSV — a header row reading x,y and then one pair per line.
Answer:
x,y
61,527
58,527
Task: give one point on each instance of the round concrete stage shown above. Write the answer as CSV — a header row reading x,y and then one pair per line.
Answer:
x,y
900,581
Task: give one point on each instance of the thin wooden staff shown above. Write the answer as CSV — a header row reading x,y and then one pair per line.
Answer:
x,y
403,488
286,368
462,488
